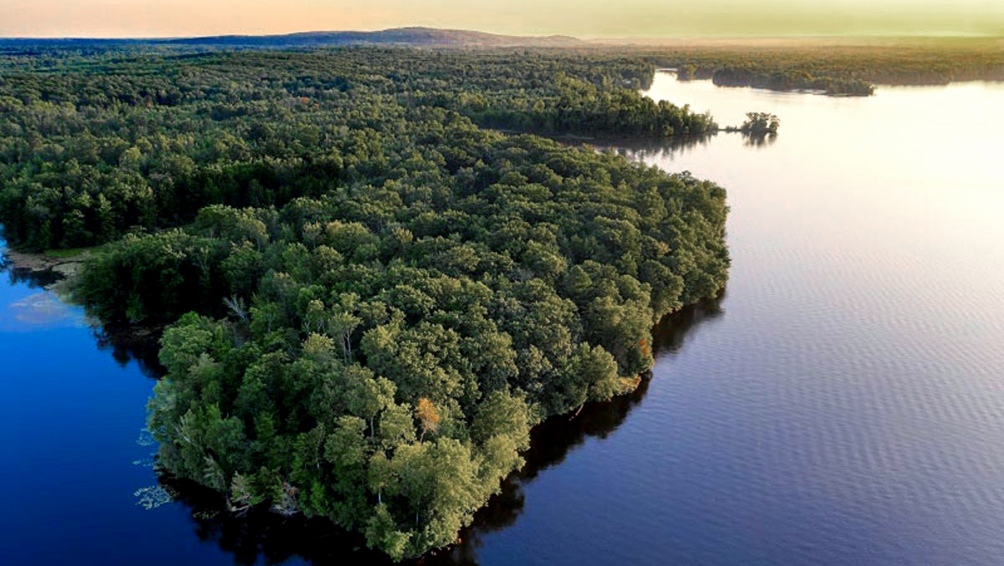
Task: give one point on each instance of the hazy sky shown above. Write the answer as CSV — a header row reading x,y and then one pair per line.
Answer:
x,y
582,18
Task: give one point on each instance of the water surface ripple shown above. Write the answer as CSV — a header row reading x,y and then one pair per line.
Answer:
x,y
847,404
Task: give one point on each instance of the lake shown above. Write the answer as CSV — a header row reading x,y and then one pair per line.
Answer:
x,y
843,403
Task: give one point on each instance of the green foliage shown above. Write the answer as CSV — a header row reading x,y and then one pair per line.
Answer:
x,y
98,146
68,253
760,123
757,76
575,106
840,67
388,295
153,277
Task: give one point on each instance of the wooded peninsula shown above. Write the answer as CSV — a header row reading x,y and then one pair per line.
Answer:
x,y
371,294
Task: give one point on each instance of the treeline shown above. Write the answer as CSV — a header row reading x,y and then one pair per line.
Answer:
x,y
751,76
834,66
373,298
764,74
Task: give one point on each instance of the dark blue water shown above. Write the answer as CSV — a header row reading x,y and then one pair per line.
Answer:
x,y
76,464
842,404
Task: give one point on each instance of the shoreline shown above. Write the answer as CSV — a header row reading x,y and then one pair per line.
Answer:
x,y
55,274
58,276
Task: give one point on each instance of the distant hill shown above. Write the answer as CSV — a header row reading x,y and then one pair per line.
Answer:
x,y
400,36
411,36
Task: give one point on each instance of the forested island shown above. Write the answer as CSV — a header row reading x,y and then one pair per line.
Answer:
x,y
371,294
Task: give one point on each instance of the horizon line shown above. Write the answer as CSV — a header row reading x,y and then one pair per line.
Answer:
x,y
794,35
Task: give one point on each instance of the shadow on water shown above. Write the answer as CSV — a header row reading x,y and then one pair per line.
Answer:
x,y
34,279
261,536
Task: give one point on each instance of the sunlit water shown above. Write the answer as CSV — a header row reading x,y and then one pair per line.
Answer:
x,y
846,406
842,404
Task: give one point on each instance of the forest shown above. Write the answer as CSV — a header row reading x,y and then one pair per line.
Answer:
x,y
836,66
370,293
91,147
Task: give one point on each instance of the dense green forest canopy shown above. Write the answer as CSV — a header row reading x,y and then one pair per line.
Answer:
x,y
91,147
372,297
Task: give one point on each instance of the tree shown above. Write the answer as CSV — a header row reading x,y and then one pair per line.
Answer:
x,y
242,494
382,533
427,415
760,123
366,395
397,426
502,414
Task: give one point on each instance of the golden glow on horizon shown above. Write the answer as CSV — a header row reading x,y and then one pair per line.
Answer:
x,y
582,18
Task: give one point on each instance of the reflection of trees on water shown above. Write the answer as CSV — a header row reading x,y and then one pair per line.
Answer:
x,y
260,536
550,443
668,335
647,150
23,276
641,149
126,343
758,139
130,343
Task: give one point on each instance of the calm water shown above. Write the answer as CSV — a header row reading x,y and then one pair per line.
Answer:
x,y
842,404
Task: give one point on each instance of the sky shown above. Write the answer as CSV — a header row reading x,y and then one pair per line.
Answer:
x,y
580,18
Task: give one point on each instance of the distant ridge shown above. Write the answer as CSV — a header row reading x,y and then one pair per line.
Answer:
x,y
409,36
396,36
